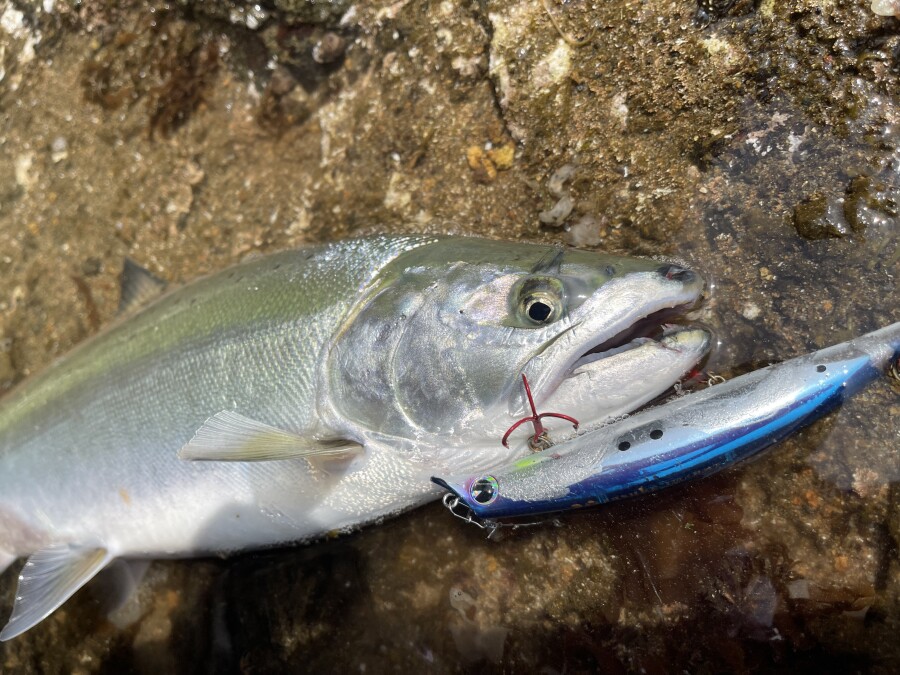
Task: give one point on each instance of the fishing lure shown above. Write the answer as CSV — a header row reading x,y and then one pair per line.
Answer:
x,y
695,435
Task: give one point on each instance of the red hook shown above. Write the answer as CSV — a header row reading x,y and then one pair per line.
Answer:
x,y
535,419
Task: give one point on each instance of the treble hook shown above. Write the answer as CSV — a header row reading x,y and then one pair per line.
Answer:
x,y
535,419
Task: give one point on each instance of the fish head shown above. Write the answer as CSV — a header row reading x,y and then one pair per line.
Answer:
x,y
437,348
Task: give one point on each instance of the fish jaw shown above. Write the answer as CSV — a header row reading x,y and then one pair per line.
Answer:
x,y
613,311
601,386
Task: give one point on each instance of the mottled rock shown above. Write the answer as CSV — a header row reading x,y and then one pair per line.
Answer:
x,y
819,217
692,143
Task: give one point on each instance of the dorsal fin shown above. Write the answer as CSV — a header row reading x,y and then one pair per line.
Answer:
x,y
549,262
139,287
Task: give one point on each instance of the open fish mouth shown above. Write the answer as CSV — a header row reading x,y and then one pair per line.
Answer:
x,y
636,313
651,328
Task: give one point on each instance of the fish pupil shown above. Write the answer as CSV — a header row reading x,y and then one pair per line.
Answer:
x,y
539,311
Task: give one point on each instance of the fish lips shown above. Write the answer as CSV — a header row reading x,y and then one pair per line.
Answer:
x,y
616,313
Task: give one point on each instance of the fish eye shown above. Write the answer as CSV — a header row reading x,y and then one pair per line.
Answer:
x,y
541,301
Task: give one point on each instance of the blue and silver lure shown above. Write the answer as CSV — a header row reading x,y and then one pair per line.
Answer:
x,y
692,436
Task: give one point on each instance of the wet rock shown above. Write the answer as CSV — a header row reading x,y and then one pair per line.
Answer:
x,y
820,217
698,143
314,11
252,14
168,63
710,11
329,48
91,267
10,189
474,641
7,369
871,203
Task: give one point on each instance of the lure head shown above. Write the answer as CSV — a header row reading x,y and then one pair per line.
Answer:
x,y
436,349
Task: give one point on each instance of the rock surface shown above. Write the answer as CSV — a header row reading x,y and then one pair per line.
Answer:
x,y
189,136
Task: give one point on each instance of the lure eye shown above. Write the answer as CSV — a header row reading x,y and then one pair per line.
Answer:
x,y
484,490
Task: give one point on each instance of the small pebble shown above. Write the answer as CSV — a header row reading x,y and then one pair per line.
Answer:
x,y
559,212
329,49
751,311
59,149
559,178
799,589
886,7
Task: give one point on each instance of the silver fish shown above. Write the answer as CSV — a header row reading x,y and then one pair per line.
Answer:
x,y
363,367
695,435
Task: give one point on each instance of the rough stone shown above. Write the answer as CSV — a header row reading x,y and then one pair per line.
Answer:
x,y
198,134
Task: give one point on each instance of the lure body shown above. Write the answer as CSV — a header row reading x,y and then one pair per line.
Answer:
x,y
695,435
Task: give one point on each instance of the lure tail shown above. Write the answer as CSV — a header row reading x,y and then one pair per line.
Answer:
x,y
882,347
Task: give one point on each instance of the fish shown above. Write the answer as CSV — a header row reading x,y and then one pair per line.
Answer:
x,y
314,391
688,437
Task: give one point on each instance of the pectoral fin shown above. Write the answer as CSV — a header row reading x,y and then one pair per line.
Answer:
x,y
49,578
230,437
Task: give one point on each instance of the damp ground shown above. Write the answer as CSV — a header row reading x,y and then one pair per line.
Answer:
x,y
759,145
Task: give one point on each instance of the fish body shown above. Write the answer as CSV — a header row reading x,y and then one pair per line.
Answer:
x,y
306,392
694,435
